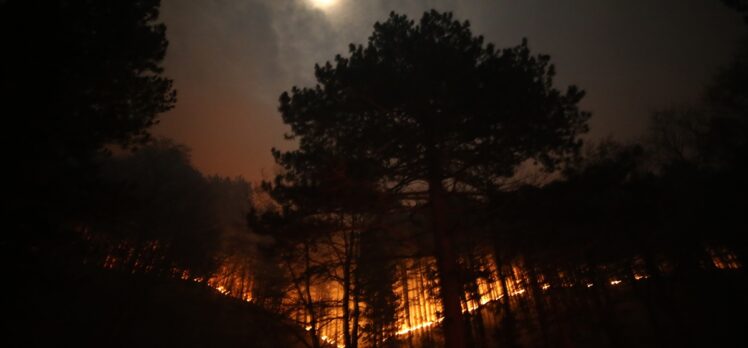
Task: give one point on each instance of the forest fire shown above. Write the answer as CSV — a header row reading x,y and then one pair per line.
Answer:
x,y
420,187
419,309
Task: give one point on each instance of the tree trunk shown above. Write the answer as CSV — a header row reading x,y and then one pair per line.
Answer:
x,y
310,301
508,323
406,302
356,296
346,292
446,262
538,300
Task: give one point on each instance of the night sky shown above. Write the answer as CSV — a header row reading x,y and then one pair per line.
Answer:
x,y
231,59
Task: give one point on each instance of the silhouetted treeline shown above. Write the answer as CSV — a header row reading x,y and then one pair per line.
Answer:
x,y
87,188
409,151
76,76
405,217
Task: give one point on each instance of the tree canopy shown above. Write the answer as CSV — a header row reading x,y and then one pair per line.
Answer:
x,y
81,74
76,76
431,91
423,111
164,212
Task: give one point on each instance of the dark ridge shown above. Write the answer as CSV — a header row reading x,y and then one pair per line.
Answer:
x,y
91,307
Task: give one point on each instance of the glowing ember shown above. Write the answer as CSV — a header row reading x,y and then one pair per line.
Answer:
x,y
615,282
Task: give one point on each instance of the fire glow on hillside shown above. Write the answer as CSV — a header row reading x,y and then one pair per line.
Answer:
x,y
419,309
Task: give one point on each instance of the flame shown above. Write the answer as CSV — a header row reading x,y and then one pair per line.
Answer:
x,y
421,308
723,258
427,324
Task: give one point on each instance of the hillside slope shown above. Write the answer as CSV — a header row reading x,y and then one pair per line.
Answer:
x,y
88,307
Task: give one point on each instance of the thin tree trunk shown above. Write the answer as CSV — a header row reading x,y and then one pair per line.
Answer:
x,y
539,305
508,320
310,303
604,305
406,302
356,294
346,292
480,325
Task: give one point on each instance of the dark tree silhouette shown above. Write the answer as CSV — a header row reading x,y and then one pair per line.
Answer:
x,y
727,103
430,110
738,5
155,212
76,76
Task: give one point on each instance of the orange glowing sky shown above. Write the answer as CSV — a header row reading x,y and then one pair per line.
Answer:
x,y
230,60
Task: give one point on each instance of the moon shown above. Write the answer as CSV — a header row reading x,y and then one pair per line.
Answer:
x,y
323,4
